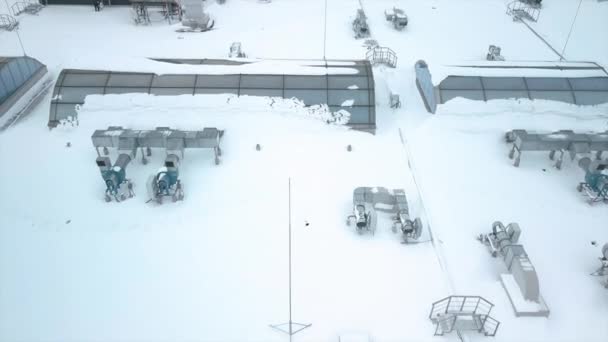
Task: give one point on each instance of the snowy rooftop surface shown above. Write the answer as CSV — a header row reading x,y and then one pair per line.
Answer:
x,y
214,267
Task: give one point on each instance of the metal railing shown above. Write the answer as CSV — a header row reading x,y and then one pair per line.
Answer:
x,y
489,326
31,7
8,22
520,10
382,55
445,324
446,311
473,305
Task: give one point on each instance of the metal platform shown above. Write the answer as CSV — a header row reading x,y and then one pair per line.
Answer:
x,y
463,313
382,55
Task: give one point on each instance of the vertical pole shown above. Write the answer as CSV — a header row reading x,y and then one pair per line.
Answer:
x,y
300,326
290,325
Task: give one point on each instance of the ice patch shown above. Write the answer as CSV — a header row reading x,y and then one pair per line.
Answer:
x,y
348,103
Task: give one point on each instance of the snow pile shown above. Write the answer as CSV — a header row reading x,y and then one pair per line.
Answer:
x,y
466,107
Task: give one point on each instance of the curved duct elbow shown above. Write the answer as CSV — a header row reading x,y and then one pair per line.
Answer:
x,y
584,163
122,161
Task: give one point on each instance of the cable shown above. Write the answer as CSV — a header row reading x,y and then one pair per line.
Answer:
x,y
572,26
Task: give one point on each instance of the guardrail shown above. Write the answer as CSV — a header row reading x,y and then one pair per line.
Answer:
x,y
8,22
382,55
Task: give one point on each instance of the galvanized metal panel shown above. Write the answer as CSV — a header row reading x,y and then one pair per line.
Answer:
x,y
461,82
127,140
347,82
126,90
175,141
309,97
216,91
174,81
599,141
590,83
262,92
207,138
130,80
18,75
426,89
64,110
262,81
7,80
340,97
171,91
154,138
88,79
77,94
100,138
305,82
563,96
589,98
547,83
217,81
503,83
506,94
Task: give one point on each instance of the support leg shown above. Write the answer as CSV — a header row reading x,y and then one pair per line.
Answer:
x,y
552,155
512,152
560,159
143,157
598,155
517,155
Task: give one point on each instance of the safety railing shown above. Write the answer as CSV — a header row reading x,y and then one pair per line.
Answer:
x,y
521,10
31,7
382,55
489,326
445,325
8,22
474,305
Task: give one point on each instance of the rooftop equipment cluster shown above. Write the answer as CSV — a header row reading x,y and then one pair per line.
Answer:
x,y
165,181
579,146
503,241
367,200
